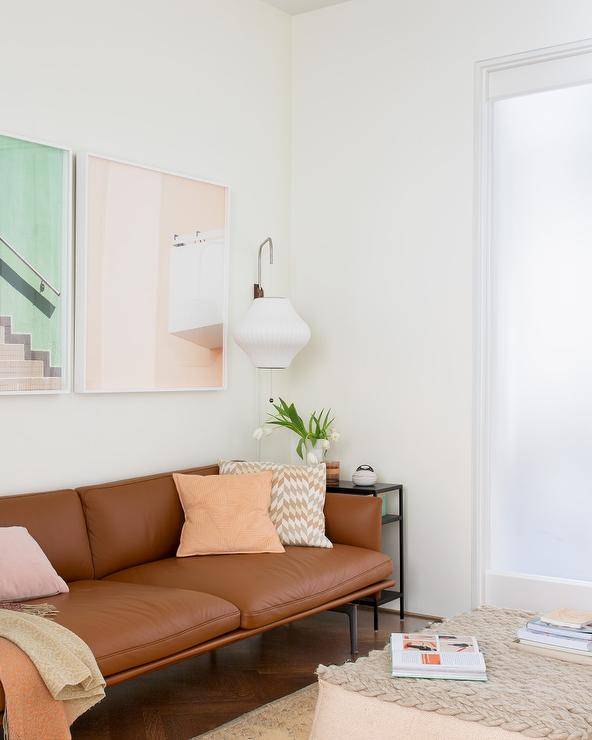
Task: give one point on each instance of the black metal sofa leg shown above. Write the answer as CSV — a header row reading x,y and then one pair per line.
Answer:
x,y
353,628
352,614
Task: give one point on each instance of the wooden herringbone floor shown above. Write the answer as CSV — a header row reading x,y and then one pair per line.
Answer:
x,y
183,700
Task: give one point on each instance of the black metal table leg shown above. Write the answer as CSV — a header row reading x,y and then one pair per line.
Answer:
x,y
401,558
378,490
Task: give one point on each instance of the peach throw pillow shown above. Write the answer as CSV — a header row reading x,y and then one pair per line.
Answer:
x,y
226,514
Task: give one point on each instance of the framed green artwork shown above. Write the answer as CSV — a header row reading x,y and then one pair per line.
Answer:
x,y
35,266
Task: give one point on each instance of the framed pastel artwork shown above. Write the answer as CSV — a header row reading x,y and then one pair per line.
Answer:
x,y
35,266
151,279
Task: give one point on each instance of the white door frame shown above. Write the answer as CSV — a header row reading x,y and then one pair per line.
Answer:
x,y
568,591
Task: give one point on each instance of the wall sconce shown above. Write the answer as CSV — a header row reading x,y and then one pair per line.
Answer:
x,y
271,332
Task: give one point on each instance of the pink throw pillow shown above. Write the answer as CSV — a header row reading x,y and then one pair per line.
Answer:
x,y
25,571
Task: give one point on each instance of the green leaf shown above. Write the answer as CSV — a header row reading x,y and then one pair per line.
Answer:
x,y
299,449
294,416
326,423
288,417
286,425
292,413
318,425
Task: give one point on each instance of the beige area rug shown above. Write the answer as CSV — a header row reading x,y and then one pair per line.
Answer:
x,y
289,718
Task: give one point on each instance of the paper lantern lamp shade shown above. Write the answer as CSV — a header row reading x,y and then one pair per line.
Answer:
x,y
271,333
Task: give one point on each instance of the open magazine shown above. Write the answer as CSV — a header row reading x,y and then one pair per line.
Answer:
x,y
437,656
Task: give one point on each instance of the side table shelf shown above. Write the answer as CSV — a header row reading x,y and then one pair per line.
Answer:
x,y
380,489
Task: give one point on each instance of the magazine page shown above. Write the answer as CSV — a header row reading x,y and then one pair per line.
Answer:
x,y
431,652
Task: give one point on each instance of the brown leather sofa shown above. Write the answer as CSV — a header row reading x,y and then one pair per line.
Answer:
x,y
139,607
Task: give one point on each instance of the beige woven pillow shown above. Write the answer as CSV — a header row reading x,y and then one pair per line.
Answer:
x,y
297,499
226,514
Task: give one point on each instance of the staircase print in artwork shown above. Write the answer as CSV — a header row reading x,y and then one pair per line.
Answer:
x,y
23,368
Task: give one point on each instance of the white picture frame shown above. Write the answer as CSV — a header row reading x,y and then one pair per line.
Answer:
x,y
86,327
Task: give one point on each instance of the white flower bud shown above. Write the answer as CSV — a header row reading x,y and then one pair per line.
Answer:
x,y
258,433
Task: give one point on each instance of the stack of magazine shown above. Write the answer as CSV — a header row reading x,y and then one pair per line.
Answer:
x,y
563,633
437,656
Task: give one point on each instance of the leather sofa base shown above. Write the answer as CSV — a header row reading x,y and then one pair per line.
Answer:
x,y
242,634
230,637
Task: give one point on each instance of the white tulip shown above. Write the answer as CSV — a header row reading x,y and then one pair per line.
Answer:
x,y
334,436
258,433
312,459
325,444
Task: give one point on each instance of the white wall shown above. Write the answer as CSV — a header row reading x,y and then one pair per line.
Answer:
x,y
194,86
382,245
381,260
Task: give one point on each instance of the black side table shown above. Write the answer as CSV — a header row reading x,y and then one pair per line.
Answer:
x,y
346,486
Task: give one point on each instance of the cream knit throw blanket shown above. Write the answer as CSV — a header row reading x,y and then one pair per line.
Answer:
x,y
64,661
529,694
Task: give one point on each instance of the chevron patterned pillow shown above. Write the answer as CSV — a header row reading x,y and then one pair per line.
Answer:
x,y
297,499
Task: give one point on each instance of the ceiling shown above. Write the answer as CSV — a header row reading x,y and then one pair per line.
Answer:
x,y
302,6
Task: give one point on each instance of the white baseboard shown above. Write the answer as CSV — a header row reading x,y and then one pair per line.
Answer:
x,y
536,593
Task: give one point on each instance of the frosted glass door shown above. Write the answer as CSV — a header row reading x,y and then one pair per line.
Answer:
x,y
541,343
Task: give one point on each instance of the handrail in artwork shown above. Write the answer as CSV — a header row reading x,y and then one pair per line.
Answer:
x,y
44,281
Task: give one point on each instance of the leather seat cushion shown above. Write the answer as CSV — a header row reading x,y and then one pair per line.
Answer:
x,y
269,586
126,625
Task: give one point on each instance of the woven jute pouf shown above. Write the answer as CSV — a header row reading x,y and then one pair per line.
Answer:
x,y
525,693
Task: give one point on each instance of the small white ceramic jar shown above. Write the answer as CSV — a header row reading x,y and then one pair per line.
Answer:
x,y
364,476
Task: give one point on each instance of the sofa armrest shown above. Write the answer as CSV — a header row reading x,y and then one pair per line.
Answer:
x,y
353,520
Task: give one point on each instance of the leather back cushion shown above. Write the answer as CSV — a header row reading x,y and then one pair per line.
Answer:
x,y
56,521
134,521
